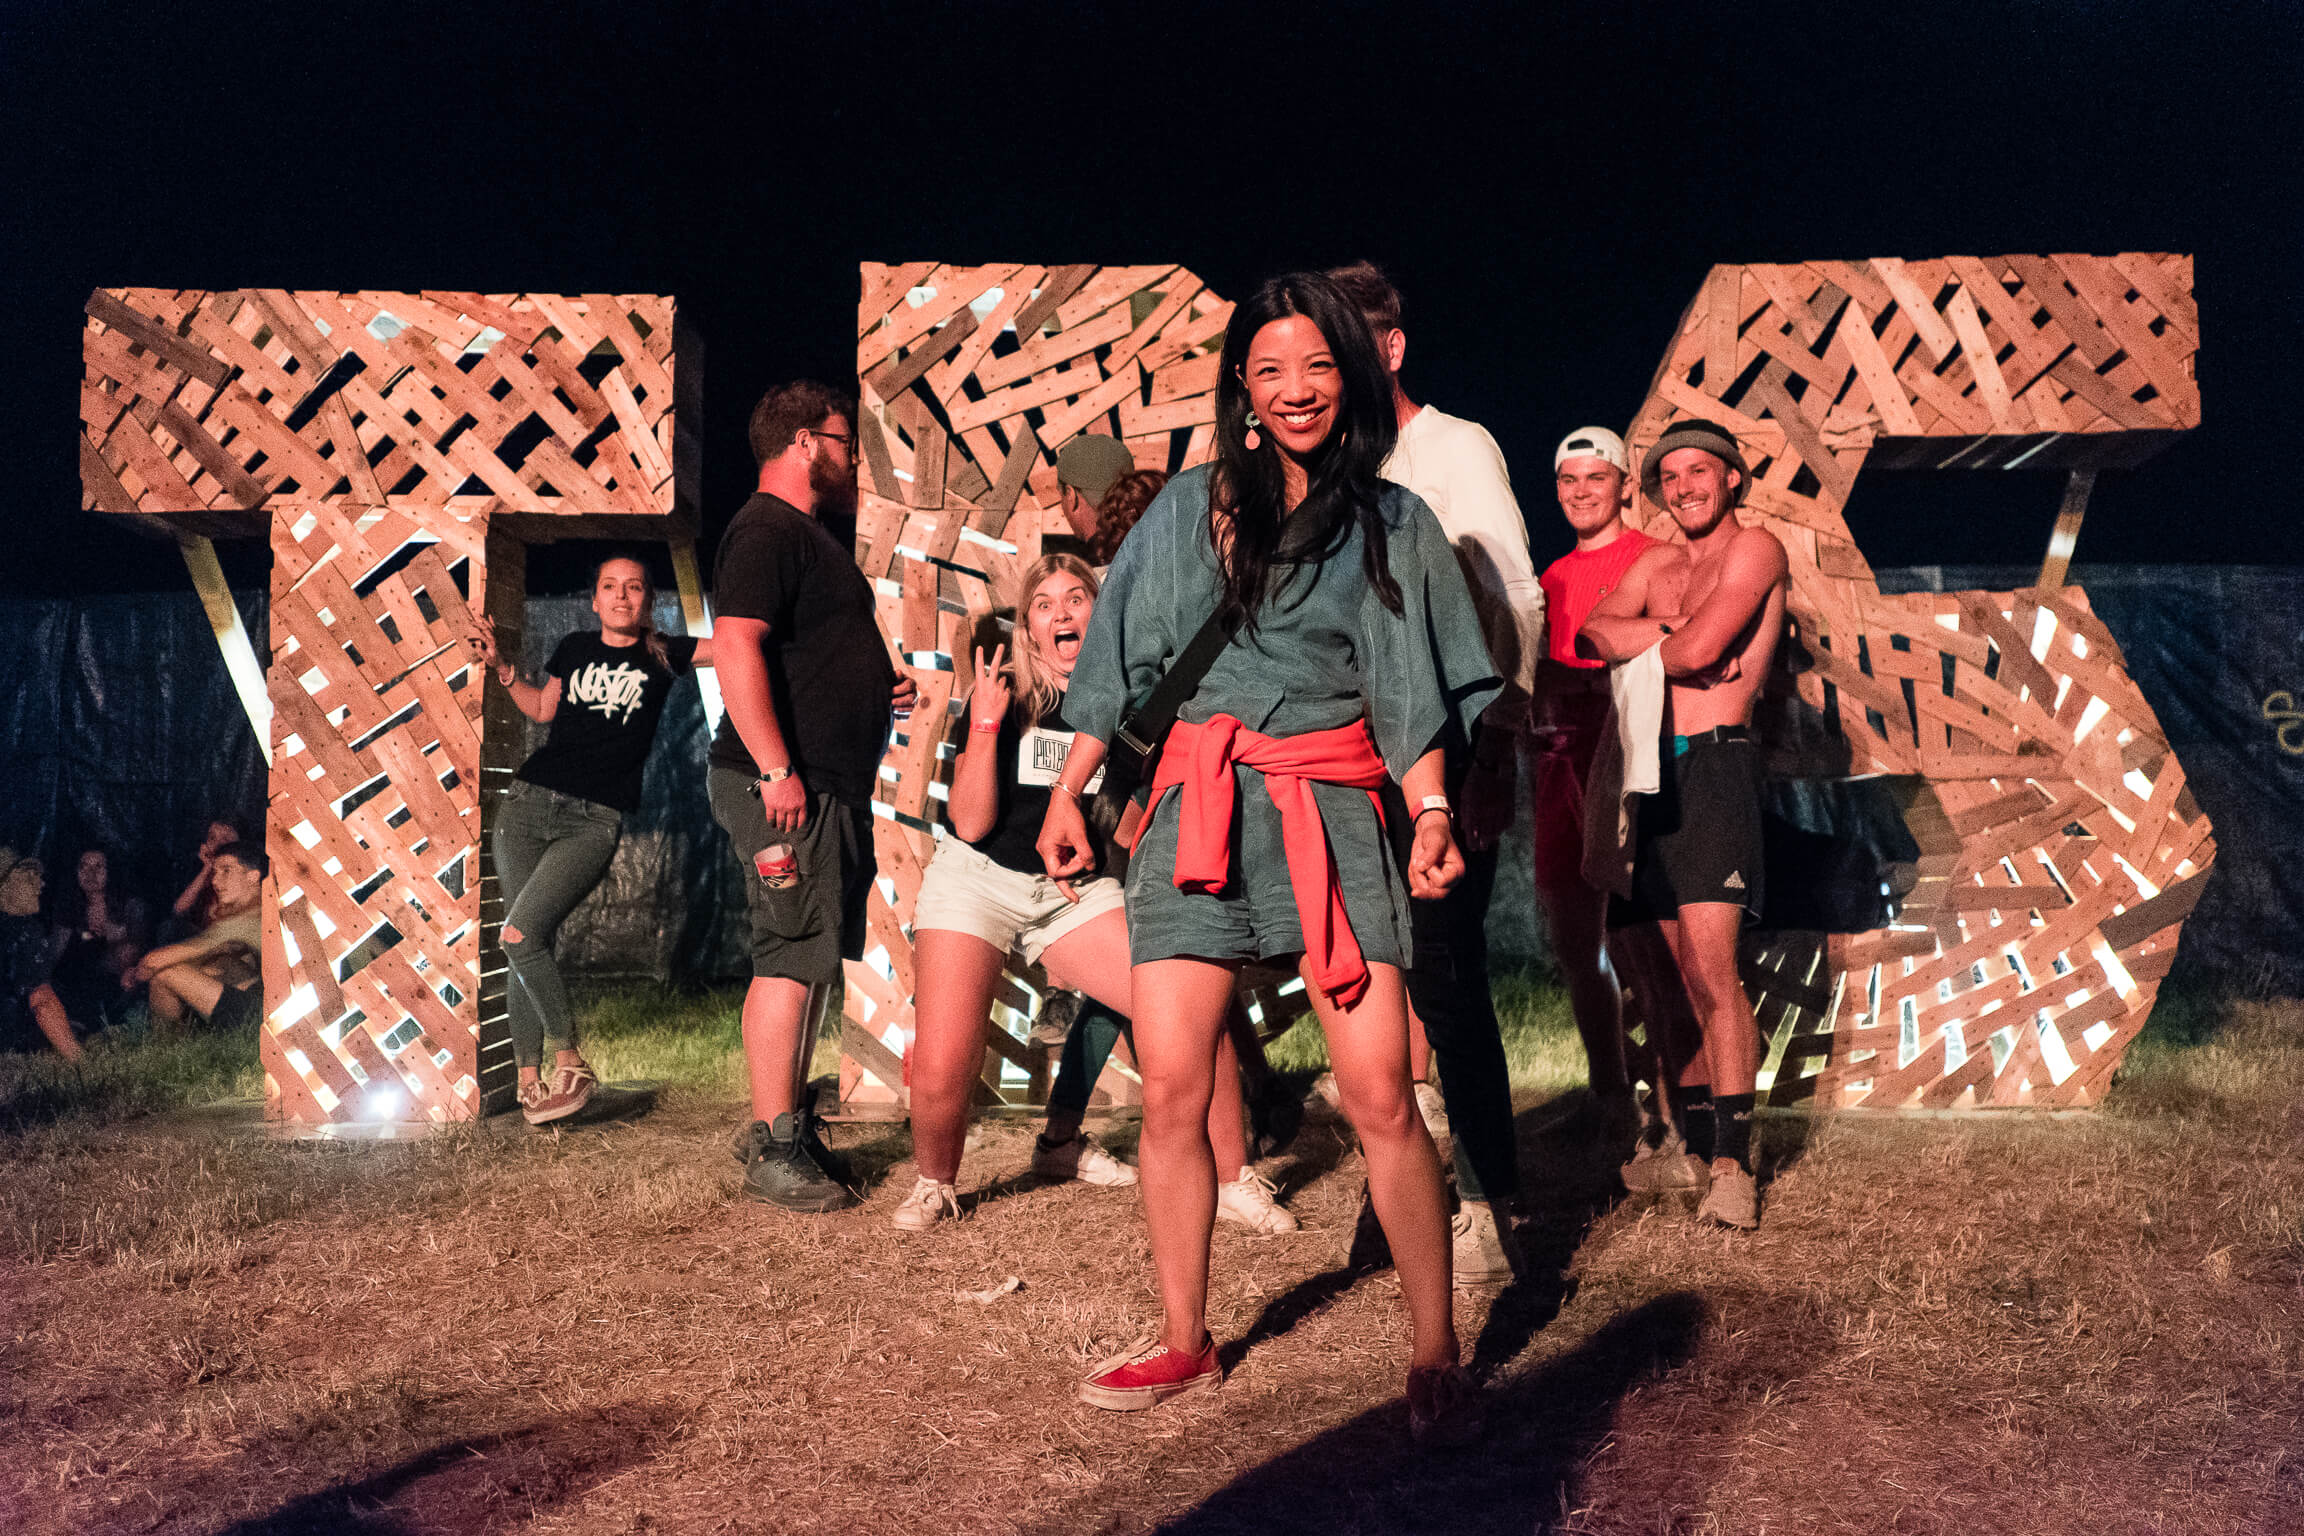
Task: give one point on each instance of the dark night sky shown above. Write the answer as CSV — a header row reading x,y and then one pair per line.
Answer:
x,y
1548,186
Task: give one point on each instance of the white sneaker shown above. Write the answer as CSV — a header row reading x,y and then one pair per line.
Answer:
x,y
1247,1201
931,1201
1482,1256
1434,1109
1080,1159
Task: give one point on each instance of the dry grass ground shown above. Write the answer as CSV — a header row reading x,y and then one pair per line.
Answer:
x,y
2079,1326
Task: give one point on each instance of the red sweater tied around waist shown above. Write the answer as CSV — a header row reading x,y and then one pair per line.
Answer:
x,y
1199,758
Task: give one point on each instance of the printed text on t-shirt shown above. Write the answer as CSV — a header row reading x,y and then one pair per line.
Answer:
x,y
608,690
1040,757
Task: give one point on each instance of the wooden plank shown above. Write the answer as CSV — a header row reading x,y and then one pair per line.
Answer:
x,y
164,344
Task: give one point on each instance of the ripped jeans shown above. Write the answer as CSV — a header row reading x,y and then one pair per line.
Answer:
x,y
551,849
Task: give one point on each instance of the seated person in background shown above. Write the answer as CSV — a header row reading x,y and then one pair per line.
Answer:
x,y
987,892
103,934
30,1014
217,972
195,907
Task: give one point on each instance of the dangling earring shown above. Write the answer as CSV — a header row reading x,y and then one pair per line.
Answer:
x,y
1252,440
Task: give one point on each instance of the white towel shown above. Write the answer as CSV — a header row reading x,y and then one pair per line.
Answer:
x,y
1628,762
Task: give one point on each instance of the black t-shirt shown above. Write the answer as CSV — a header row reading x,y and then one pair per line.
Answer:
x,y
828,664
1030,763
611,697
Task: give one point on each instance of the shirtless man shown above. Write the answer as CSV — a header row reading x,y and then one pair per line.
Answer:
x,y
1717,606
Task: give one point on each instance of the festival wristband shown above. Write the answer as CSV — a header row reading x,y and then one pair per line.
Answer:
x,y
976,726
1432,803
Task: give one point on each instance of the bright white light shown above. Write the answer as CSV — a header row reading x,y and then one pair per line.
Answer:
x,y
2097,709
384,1104
2122,982
2043,631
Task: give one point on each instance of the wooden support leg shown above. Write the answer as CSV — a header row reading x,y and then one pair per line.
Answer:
x,y
699,620
2067,534
231,637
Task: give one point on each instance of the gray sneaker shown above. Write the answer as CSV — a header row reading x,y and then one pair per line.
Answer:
x,y
1663,1169
1734,1198
1482,1246
784,1172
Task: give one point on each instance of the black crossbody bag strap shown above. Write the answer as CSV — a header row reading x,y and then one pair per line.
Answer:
x,y
1144,728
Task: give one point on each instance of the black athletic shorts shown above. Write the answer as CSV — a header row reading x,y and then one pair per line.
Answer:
x,y
1699,835
804,930
238,1009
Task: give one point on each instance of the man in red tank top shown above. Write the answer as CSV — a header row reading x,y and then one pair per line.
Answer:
x,y
1571,710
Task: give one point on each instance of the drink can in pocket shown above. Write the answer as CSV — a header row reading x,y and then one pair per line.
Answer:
x,y
779,866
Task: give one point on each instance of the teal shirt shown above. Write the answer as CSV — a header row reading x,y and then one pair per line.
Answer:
x,y
1325,652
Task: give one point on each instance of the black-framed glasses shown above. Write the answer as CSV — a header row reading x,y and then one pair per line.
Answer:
x,y
846,440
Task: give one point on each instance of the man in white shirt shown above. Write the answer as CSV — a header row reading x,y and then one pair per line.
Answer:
x,y
1455,467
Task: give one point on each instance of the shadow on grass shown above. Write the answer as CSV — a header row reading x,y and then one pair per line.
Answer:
x,y
118,1081
479,1484
1542,1430
1567,1186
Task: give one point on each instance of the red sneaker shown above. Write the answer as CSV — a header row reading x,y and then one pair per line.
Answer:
x,y
1148,1373
568,1091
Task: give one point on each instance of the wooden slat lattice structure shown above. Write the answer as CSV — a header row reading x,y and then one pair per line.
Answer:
x,y
971,379
397,449
2060,848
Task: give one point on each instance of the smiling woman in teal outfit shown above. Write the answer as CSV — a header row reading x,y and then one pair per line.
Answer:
x,y
1358,655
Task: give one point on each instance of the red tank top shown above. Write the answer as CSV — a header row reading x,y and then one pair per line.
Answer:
x,y
1575,583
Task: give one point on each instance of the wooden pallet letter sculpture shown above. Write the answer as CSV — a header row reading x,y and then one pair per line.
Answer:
x,y
398,450
2060,849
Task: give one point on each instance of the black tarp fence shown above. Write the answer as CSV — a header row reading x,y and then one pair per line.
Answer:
x,y
119,729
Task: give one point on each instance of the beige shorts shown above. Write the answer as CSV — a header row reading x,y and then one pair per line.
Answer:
x,y
965,892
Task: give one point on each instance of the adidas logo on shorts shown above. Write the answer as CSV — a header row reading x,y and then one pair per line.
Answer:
x,y
1734,882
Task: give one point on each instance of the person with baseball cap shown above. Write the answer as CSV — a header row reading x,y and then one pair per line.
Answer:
x,y
1591,477
1087,468
1716,611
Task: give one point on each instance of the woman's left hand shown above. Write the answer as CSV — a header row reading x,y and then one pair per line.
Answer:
x,y
988,692
1435,863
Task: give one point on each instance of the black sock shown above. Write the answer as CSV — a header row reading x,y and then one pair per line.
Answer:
x,y
1696,1120
1733,1112
1651,1120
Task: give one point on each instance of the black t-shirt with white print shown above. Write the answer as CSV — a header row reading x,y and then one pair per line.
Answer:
x,y
611,697
1030,763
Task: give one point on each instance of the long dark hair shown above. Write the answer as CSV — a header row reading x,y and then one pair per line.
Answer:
x,y
1247,489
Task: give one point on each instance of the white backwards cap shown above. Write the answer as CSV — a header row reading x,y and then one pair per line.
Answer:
x,y
1592,443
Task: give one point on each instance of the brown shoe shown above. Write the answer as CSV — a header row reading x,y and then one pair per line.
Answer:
x,y
1444,1407
1734,1198
1663,1169
569,1091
